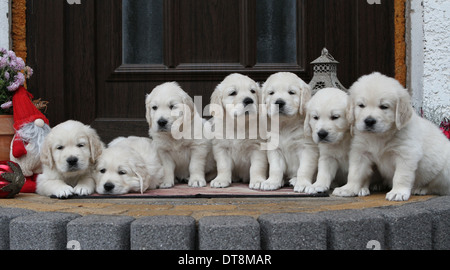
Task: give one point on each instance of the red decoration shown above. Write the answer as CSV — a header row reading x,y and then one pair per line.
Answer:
x,y
445,127
11,179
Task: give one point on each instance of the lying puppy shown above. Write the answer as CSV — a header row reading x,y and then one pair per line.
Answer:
x,y
236,144
326,121
295,158
68,157
170,112
409,151
128,165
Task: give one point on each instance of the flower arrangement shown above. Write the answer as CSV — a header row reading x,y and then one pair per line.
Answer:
x,y
13,73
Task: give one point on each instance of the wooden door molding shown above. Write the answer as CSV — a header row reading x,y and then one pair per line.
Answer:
x,y
76,51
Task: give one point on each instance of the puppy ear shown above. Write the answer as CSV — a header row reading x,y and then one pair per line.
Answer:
x,y
138,167
264,91
350,114
305,96
259,93
95,144
404,110
307,129
46,153
148,110
187,100
216,98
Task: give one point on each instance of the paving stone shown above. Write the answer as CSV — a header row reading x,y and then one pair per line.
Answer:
x,y
228,233
6,215
40,231
100,232
293,231
408,227
163,233
354,229
440,213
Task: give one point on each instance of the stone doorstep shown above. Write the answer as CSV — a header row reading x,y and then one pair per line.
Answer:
x,y
420,225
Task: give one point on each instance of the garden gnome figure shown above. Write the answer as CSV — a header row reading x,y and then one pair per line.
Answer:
x,y
31,129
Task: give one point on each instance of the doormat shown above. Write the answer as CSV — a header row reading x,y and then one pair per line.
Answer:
x,y
183,191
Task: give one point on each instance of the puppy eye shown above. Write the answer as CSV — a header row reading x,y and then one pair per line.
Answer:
x,y
60,147
80,145
384,107
335,117
253,91
233,93
315,117
102,170
171,107
122,172
271,93
291,92
155,108
362,106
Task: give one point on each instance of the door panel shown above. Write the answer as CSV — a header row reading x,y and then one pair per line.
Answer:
x,y
95,62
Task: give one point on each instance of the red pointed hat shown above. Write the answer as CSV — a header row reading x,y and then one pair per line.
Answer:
x,y
24,110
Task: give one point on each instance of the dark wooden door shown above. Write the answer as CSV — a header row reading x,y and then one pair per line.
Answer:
x,y
96,61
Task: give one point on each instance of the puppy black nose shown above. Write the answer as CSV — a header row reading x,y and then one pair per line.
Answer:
x,y
162,122
322,134
248,101
281,103
108,186
72,161
370,122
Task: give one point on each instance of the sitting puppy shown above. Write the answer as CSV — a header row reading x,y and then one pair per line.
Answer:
x,y
68,157
128,165
172,118
409,151
295,158
236,144
327,123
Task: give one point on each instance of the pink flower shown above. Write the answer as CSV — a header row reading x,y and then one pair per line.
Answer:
x,y
19,79
28,72
19,64
3,61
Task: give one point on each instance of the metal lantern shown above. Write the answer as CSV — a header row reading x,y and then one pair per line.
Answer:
x,y
325,73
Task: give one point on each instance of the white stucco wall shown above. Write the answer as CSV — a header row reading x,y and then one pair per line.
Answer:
x,y
436,77
428,37
4,24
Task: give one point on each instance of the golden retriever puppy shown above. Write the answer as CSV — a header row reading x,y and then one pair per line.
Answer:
x,y
128,165
68,157
285,96
236,143
177,132
410,152
326,121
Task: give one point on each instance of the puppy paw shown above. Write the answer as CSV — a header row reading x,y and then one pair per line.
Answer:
x,y
83,190
420,191
166,185
220,182
64,192
293,181
256,183
302,186
398,195
197,182
350,191
317,188
271,184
